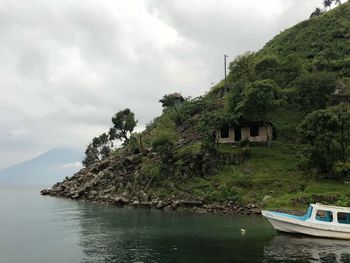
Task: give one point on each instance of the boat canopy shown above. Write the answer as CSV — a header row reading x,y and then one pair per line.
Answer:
x,y
330,207
322,213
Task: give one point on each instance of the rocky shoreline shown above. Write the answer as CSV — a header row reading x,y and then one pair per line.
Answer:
x,y
195,206
117,181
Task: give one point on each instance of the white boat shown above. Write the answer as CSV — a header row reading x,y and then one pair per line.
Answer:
x,y
320,221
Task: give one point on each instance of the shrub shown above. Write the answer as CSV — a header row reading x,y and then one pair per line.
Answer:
x,y
342,169
163,139
327,138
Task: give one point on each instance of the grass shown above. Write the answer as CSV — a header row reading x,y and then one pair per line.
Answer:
x,y
269,171
321,44
322,41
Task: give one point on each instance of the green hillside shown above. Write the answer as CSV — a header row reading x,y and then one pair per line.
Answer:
x,y
321,42
299,82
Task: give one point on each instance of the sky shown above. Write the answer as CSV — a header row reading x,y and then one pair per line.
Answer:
x,y
67,66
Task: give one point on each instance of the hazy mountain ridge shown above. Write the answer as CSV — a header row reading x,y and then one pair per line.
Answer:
x,y
46,168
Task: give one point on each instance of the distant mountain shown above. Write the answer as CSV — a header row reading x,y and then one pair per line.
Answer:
x,y
45,169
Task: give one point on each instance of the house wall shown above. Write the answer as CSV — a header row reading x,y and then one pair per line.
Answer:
x,y
245,132
231,138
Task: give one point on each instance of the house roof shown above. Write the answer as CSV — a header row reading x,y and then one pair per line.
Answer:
x,y
176,94
250,123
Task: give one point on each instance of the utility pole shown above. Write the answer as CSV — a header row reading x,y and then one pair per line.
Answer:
x,y
225,56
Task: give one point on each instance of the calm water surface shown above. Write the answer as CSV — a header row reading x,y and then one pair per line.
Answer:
x,y
44,229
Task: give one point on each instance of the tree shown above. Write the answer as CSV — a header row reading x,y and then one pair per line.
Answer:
x,y
267,67
291,68
342,112
91,156
103,145
261,98
235,95
163,144
337,2
326,134
316,13
97,150
314,90
327,3
171,100
211,121
242,68
123,125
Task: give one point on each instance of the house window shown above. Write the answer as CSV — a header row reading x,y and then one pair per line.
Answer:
x,y
343,218
254,131
325,216
225,133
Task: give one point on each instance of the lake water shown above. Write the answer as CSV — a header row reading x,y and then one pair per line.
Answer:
x,y
44,229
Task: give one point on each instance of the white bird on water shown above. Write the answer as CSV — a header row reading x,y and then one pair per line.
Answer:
x,y
242,231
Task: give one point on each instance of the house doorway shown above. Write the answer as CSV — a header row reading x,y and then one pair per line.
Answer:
x,y
238,134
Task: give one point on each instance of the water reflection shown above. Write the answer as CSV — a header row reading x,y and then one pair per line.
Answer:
x,y
288,248
109,234
124,235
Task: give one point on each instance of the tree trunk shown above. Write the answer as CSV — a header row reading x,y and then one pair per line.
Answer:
x,y
143,150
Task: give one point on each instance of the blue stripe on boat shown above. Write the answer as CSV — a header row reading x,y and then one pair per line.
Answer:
x,y
301,218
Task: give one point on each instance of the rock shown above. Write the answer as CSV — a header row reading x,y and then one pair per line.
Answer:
x,y
250,206
180,142
214,207
101,174
135,203
192,203
266,198
118,179
106,197
119,200
93,192
143,197
175,204
125,195
45,192
160,205
132,159
109,190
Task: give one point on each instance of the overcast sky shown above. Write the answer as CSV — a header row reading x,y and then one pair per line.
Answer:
x,y
67,66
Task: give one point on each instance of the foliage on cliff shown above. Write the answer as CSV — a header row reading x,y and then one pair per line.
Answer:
x,y
296,78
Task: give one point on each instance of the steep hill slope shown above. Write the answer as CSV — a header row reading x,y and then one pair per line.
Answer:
x,y
176,163
322,42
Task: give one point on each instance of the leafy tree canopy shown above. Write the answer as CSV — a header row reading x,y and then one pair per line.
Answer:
x,y
314,90
243,67
123,125
326,134
260,99
97,150
171,100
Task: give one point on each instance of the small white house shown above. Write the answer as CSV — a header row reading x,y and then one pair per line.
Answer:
x,y
254,131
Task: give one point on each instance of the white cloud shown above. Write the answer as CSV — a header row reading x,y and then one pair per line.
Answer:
x,y
77,165
67,66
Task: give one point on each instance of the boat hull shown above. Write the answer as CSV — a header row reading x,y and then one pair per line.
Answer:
x,y
306,228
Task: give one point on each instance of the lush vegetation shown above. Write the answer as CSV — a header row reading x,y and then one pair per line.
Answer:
x,y
123,125
299,82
